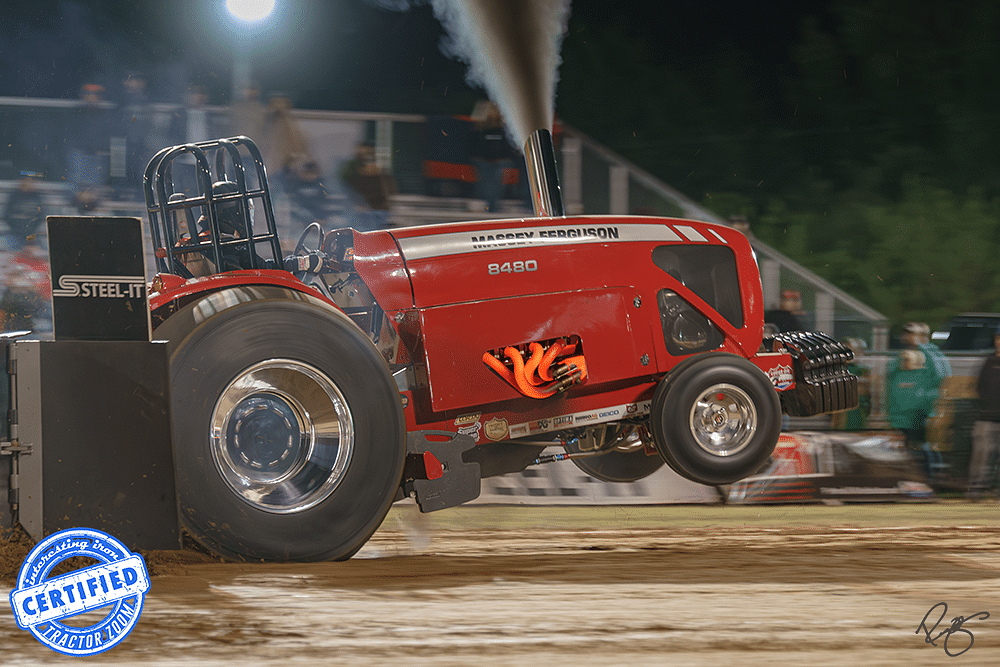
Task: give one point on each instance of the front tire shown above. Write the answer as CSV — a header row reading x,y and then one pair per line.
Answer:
x,y
289,435
717,420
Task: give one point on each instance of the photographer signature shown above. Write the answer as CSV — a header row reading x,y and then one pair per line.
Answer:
x,y
955,628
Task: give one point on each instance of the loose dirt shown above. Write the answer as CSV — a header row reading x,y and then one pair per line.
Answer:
x,y
521,586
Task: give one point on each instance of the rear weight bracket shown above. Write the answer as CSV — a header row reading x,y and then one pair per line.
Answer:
x,y
458,481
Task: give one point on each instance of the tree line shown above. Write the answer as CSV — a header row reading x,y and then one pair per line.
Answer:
x,y
868,149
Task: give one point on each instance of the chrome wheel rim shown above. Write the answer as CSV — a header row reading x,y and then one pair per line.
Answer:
x,y
282,436
723,420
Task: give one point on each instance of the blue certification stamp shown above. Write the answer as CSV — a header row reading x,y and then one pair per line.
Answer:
x,y
116,585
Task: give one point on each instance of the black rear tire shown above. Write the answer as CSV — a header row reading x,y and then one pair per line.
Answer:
x,y
716,420
289,435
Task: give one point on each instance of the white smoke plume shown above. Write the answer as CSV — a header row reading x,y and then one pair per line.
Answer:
x,y
512,49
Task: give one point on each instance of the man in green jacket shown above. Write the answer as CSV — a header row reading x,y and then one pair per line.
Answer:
x,y
912,382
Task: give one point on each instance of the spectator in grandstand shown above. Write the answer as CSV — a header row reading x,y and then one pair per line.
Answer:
x,y
248,117
191,123
787,317
88,142
922,339
25,304
372,184
490,152
294,175
285,145
24,212
368,179
986,431
134,126
307,194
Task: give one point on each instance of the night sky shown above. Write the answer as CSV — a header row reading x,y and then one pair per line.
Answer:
x,y
337,54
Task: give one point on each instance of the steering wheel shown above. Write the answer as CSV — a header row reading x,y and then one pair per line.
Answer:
x,y
300,247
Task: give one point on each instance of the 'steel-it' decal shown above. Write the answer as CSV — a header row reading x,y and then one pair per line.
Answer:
x,y
458,243
109,287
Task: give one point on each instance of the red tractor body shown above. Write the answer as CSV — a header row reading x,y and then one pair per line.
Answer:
x,y
455,351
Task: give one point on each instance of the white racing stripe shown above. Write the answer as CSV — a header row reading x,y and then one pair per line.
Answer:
x,y
459,243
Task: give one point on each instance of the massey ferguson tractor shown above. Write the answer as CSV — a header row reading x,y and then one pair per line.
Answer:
x,y
310,392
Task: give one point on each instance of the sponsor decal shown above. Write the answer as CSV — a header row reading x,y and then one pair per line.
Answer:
x,y
538,426
781,377
117,584
458,243
98,288
102,287
519,431
464,420
579,419
496,429
471,430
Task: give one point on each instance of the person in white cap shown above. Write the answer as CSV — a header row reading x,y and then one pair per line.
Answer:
x,y
912,381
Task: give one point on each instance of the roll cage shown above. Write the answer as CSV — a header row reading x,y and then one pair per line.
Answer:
x,y
185,222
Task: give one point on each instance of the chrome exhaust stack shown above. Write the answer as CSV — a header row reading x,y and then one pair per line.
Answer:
x,y
543,179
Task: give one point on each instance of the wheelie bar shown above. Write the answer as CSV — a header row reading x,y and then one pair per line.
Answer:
x,y
823,383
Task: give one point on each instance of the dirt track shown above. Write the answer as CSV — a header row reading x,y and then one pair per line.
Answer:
x,y
602,586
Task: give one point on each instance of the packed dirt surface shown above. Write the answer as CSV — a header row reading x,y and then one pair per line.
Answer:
x,y
568,586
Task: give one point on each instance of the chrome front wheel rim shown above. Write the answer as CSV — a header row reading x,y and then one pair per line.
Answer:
x,y
282,436
723,420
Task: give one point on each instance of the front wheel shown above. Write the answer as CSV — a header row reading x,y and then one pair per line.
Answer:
x,y
717,420
289,435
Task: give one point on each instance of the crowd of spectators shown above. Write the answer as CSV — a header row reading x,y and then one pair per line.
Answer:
x,y
102,146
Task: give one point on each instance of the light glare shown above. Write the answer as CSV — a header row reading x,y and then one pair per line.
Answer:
x,y
250,11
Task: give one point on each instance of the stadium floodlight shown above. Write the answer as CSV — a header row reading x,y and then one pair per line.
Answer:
x,y
250,11
249,17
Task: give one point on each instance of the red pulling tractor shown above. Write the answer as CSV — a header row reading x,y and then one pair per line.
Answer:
x,y
311,392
